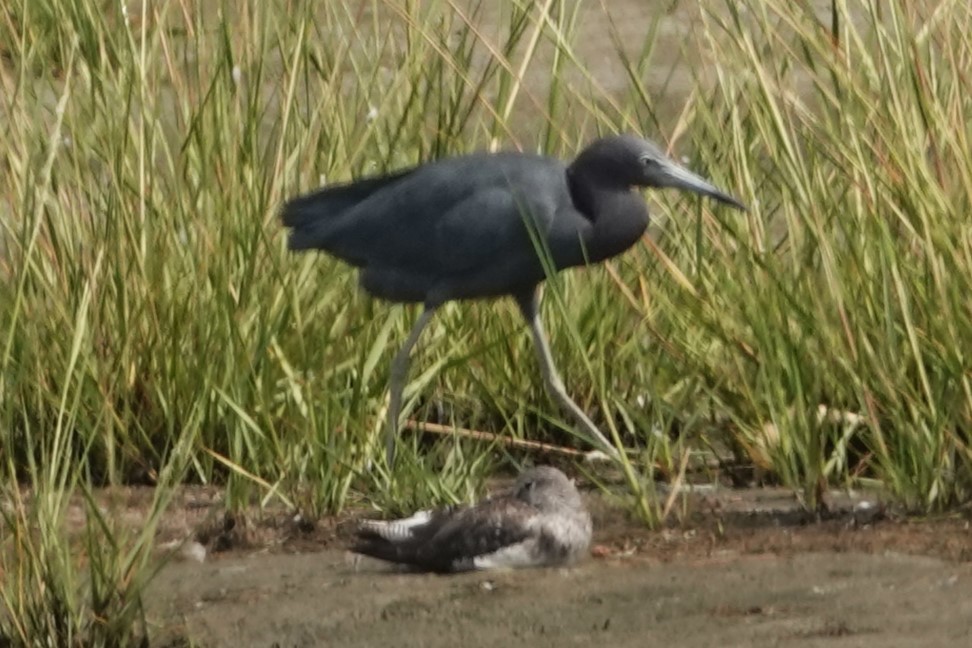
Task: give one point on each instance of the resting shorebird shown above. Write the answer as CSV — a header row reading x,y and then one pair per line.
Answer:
x,y
540,522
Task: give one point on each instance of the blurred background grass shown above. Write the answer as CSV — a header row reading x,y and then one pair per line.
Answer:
x,y
155,330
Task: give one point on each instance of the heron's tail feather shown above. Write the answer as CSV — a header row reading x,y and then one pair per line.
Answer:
x,y
315,218
304,210
331,202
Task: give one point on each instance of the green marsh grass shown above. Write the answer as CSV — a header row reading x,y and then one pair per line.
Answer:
x,y
155,330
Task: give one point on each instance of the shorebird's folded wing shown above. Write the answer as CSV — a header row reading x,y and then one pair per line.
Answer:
x,y
449,540
480,532
421,525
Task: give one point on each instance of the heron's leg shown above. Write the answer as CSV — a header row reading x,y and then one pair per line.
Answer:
x,y
396,381
529,306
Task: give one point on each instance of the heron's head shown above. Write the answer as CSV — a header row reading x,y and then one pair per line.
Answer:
x,y
547,489
636,162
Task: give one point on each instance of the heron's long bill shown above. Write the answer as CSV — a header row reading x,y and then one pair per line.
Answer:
x,y
678,177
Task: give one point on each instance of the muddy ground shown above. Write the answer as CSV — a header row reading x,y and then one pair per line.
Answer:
x,y
743,568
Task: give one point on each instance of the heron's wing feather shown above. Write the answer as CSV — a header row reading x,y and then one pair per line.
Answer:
x,y
449,215
506,239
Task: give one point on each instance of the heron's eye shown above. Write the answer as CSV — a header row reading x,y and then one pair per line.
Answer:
x,y
648,162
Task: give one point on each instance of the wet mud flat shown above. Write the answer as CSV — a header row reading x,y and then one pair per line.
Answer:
x,y
752,574
813,599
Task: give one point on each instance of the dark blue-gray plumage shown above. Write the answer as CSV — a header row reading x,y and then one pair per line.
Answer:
x,y
482,225
540,522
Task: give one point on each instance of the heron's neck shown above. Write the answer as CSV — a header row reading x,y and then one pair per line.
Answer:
x,y
619,215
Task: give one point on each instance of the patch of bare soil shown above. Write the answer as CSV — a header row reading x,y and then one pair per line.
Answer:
x,y
743,568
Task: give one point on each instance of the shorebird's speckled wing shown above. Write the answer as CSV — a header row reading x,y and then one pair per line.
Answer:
x,y
494,533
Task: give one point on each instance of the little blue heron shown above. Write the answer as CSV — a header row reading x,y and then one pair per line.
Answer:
x,y
487,225
540,522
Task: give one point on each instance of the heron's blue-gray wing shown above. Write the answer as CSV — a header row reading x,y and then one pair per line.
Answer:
x,y
508,239
453,215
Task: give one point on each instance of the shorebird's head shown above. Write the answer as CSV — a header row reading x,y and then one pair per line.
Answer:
x,y
547,489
